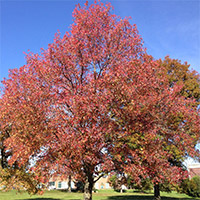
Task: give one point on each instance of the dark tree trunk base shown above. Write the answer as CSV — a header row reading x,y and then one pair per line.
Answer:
x,y
69,184
157,192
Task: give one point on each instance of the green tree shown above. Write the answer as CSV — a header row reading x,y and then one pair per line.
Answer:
x,y
179,73
190,187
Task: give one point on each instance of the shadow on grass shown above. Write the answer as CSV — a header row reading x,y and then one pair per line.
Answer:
x,y
41,198
143,197
72,192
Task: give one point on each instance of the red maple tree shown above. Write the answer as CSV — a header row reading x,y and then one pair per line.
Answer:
x,y
94,102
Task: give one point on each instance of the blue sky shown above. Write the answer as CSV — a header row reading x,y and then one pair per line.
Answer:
x,y
168,27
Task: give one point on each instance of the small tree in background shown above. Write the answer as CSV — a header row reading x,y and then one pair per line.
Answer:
x,y
114,182
190,187
179,73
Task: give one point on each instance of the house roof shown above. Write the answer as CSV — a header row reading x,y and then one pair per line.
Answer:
x,y
194,170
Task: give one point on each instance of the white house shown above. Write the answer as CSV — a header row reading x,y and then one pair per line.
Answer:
x,y
58,183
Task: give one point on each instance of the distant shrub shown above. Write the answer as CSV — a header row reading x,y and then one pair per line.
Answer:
x,y
79,186
194,187
191,187
114,182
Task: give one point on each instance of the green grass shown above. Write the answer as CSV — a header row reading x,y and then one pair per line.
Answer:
x,y
101,195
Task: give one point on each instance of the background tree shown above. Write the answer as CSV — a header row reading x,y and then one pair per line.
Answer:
x,y
191,187
179,73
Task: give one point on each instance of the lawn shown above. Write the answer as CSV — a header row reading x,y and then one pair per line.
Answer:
x,y
101,195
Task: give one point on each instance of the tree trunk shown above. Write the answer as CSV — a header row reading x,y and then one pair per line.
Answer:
x,y
88,188
69,184
157,192
2,158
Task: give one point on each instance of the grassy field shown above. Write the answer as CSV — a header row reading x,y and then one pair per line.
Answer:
x,y
101,195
